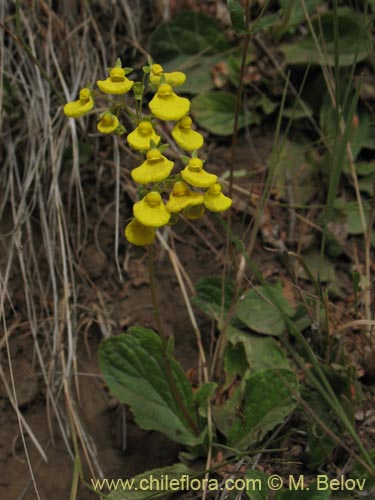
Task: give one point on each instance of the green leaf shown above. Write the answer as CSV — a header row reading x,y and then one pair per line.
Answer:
x,y
209,296
362,131
294,175
297,14
321,268
310,493
259,310
214,111
237,16
202,395
134,370
360,473
268,399
261,352
188,33
351,211
265,22
197,70
137,489
256,485
354,42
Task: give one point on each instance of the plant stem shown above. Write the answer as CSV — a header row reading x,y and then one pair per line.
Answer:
x,y
164,344
239,96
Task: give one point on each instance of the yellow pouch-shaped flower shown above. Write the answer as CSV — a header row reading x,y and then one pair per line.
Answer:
x,y
83,105
182,197
194,174
167,105
185,136
108,123
215,200
176,78
138,234
151,210
194,213
141,136
117,83
155,168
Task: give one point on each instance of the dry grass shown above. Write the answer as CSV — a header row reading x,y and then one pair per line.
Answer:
x,y
47,52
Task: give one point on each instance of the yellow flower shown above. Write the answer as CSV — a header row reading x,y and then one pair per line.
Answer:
x,y
185,136
194,213
151,210
138,234
215,200
108,123
141,136
194,174
117,83
79,108
167,105
182,197
176,78
155,168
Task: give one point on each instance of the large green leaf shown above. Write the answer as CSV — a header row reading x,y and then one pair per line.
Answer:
x,y
293,173
260,310
187,33
256,485
197,70
297,14
213,296
354,44
214,111
134,369
136,488
260,351
268,399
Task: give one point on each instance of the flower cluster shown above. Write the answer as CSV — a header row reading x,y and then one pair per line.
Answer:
x,y
164,196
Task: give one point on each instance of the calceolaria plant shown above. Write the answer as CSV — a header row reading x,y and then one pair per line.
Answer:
x,y
166,192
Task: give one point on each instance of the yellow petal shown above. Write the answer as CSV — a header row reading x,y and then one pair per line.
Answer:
x,y
167,105
215,200
176,78
138,234
141,136
117,88
194,174
151,210
182,197
185,137
79,108
108,123
155,168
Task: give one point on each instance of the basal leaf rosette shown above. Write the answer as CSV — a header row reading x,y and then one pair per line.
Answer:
x,y
176,78
185,136
182,197
151,211
108,123
138,234
155,168
141,136
167,105
82,106
196,176
116,83
215,201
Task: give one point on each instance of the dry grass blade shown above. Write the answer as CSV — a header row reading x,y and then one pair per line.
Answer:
x,y
47,53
